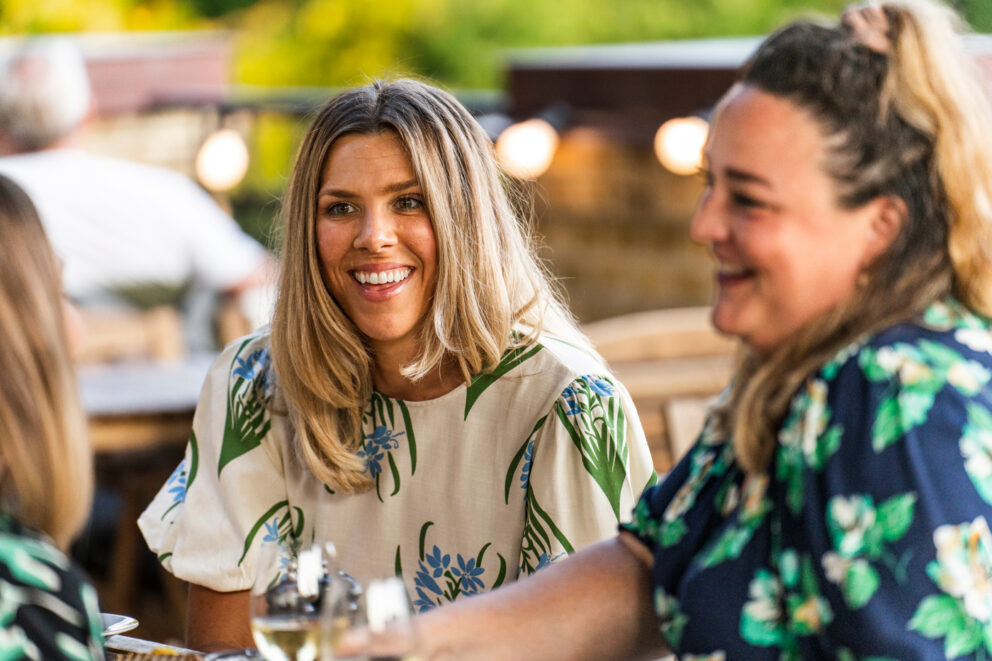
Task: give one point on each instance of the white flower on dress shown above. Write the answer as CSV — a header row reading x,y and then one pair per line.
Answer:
x,y
964,566
854,516
835,566
976,339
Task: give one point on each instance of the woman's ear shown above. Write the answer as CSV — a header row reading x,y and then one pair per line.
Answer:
x,y
887,216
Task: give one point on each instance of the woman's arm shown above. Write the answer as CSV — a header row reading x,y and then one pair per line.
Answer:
x,y
596,604
217,620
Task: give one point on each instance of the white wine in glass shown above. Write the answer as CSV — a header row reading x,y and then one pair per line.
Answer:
x,y
392,633
285,603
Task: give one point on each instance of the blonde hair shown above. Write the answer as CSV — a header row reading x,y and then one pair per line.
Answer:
x,y
912,122
491,293
46,469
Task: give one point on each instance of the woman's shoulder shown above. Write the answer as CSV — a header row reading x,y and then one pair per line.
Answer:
x,y
569,358
247,359
31,565
946,335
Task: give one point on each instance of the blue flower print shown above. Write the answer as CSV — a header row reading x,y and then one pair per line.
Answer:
x,y
177,483
377,443
423,579
571,398
525,472
247,367
438,562
545,560
469,574
601,387
423,603
271,531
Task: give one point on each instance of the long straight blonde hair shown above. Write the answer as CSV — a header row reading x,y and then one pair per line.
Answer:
x,y
912,122
46,469
491,293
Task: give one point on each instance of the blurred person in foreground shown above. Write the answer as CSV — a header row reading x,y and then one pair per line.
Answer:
x,y
128,233
837,502
423,400
49,610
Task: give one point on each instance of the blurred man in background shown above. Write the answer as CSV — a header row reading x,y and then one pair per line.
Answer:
x,y
129,234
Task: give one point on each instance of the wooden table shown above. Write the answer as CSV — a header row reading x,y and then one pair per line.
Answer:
x,y
140,415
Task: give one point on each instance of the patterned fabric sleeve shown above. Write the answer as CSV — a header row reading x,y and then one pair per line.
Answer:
x,y
585,465
886,467
48,611
228,495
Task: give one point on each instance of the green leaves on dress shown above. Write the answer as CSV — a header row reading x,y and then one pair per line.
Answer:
x,y
510,359
805,441
278,526
537,547
754,506
525,454
593,416
860,533
378,445
916,374
962,616
976,448
764,621
247,419
706,462
671,619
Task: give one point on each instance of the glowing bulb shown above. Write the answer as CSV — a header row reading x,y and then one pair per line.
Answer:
x,y
525,149
222,161
679,143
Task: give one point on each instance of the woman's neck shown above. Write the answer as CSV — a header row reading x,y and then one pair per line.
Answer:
x,y
388,379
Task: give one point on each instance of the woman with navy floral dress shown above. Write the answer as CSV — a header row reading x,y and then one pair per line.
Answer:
x,y
837,503
423,399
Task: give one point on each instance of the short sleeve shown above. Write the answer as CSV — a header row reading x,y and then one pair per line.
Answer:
x,y
585,467
228,495
886,466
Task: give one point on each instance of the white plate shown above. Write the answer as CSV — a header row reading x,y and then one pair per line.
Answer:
x,y
115,624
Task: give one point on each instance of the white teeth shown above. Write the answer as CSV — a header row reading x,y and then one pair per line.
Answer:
x,y
382,277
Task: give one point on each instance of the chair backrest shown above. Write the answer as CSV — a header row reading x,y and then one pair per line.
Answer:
x,y
672,362
121,335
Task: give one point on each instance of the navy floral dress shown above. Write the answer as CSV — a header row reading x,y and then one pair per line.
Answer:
x,y
869,537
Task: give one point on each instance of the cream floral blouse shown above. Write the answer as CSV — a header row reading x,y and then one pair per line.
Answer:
x,y
495,479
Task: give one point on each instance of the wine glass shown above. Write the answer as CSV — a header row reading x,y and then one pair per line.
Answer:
x,y
345,636
285,602
391,630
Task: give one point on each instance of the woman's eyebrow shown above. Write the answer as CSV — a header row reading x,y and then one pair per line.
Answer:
x,y
746,177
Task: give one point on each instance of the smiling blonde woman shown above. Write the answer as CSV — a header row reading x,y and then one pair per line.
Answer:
x,y
423,400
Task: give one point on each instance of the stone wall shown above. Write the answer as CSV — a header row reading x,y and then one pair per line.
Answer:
x,y
615,227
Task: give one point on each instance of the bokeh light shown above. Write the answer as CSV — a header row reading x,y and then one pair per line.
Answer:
x,y
679,143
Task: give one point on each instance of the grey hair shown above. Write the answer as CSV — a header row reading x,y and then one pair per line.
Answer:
x,y
44,92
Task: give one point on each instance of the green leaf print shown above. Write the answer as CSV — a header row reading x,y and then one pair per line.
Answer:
x,y
194,459
860,533
280,528
899,413
379,445
976,448
510,359
750,514
671,619
539,528
963,572
860,584
247,421
761,617
895,515
599,432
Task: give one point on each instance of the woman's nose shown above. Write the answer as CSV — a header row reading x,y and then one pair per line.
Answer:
x,y
377,230
708,223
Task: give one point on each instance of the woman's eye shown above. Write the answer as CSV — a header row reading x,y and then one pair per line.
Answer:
x,y
339,209
408,204
745,201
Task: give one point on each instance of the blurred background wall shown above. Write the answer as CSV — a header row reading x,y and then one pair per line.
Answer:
x,y
613,220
